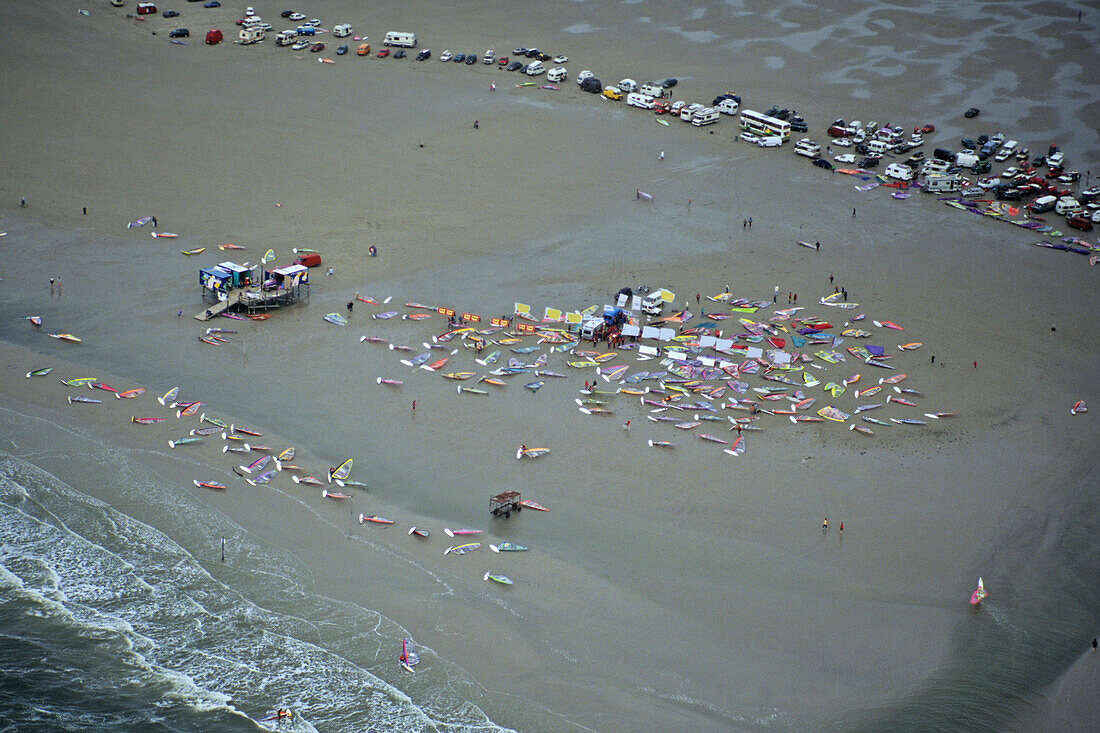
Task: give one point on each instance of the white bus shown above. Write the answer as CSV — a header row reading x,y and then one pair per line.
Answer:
x,y
762,125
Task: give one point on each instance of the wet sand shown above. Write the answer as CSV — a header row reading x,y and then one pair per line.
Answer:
x,y
675,592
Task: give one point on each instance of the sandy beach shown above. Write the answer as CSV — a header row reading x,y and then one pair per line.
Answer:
x,y
665,590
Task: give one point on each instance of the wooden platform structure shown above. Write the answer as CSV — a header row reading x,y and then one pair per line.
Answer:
x,y
284,286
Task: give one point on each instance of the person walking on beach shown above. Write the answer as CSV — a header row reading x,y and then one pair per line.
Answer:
x,y
933,363
475,124
23,203
824,526
853,212
975,365
697,298
830,279
775,295
661,155
818,246
842,528
414,405
750,222
179,313
154,222
845,292
51,286
795,301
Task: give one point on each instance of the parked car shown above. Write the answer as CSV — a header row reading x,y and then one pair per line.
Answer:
x,y
586,74
471,59
446,55
171,14
846,158
972,112
399,53
531,53
822,163
424,55
363,49
502,61
458,58
296,16
1080,222
180,33
590,85
341,49
212,4
286,13
676,107
670,82
749,138
799,125
871,161
925,129
559,59
300,44
542,56
382,53
514,66
489,56
613,93
317,47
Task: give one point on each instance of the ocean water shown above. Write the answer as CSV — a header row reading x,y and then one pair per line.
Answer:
x,y
110,625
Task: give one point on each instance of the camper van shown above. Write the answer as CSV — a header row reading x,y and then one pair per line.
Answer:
x,y
705,116
899,172
807,148
593,327
1043,204
628,85
285,38
248,36
634,99
878,146
342,30
966,160
558,73
534,68
655,90
938,183
1067,205
396,38
728,106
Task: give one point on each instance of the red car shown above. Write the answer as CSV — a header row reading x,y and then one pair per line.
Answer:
x,y
383,53
924,129
1080,222
503,61
836,131
317,48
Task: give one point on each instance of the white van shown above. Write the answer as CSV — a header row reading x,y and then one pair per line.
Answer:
x,y
628,85
558,73
966,160
705,116
1067,205
655,90
534,68
878,146
652,304
807,148
899,172
285,38
342,31
770,141
639,100
397,38
728,106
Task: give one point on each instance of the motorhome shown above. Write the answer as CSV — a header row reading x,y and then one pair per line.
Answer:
x,y
935,167
558,73
807,148
628,85
939,183
967,160
707,116
285,38
687,112
1067,205
727,106
397,38
534,68
342,30
248,36
634,99
655,90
